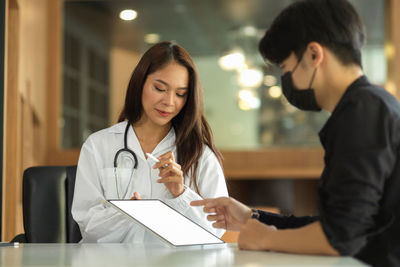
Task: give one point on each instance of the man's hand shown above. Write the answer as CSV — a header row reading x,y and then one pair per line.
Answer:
x,y
227,213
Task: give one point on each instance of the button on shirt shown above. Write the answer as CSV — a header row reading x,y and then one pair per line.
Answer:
x,y
96,182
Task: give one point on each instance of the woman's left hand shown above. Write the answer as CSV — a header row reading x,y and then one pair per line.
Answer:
x,y
170,173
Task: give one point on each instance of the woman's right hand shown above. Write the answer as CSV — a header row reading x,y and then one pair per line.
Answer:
x,y
228,213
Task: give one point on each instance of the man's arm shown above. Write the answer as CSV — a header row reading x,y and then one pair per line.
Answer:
x,y
309,239
285,221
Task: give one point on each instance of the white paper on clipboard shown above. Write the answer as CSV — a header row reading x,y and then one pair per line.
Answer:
x,y
165,222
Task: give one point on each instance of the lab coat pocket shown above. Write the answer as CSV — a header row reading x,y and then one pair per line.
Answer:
x,y
116,183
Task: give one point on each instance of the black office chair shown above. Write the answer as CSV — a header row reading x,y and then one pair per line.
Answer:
x,y
47,199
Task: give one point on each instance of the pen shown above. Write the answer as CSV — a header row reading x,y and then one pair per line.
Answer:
x,y
153,159
7,244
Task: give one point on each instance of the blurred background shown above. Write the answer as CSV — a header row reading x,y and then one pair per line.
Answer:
x,y
243,98
70,63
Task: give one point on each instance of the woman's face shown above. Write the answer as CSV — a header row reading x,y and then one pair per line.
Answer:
x,y
164,94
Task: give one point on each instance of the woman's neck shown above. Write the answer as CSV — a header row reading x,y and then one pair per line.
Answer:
x,y
150,135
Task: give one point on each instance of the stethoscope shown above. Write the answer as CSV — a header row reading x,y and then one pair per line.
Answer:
x,y
128,158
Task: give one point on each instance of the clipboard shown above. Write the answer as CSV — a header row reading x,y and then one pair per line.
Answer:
x,y
165,222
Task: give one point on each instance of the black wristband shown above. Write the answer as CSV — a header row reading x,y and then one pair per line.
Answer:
x,y
255,214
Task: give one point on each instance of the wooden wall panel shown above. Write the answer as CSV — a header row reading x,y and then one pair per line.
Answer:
x,y
296,163
392,46
25,103
122,63
55,155
12,132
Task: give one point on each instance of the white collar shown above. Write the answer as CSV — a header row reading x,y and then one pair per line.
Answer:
x,y
166,144
118,128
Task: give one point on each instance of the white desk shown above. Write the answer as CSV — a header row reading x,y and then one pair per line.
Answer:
x,y
138,255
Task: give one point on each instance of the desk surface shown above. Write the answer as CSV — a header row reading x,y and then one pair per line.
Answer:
x,y
140,255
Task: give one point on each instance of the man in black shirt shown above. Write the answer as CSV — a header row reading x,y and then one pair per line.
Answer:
x,y
317,45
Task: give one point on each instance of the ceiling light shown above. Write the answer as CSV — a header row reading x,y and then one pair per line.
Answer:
x,y
243,105
231,61
152,38
250,78
248,100
245,94
275,92
269,80
128,14
249,30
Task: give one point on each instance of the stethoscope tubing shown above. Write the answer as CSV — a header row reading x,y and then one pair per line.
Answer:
x,y
126,149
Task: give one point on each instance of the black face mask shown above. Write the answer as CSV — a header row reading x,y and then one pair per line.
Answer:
x,y
302,99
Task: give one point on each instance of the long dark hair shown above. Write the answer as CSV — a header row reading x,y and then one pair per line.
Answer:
x,y
191,128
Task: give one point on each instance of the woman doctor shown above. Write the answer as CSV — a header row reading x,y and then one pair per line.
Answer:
x,y
162,115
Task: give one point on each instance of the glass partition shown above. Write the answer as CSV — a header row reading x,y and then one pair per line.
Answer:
x,y
243,99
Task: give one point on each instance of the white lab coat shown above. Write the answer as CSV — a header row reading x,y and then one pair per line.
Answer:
x,y
95,182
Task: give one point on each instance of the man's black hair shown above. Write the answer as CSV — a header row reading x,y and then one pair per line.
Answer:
x,y
334,24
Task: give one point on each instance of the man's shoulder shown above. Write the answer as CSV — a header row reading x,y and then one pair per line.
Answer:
x,y
373,97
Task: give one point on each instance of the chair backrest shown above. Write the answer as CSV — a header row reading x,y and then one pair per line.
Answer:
x,y
47,199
